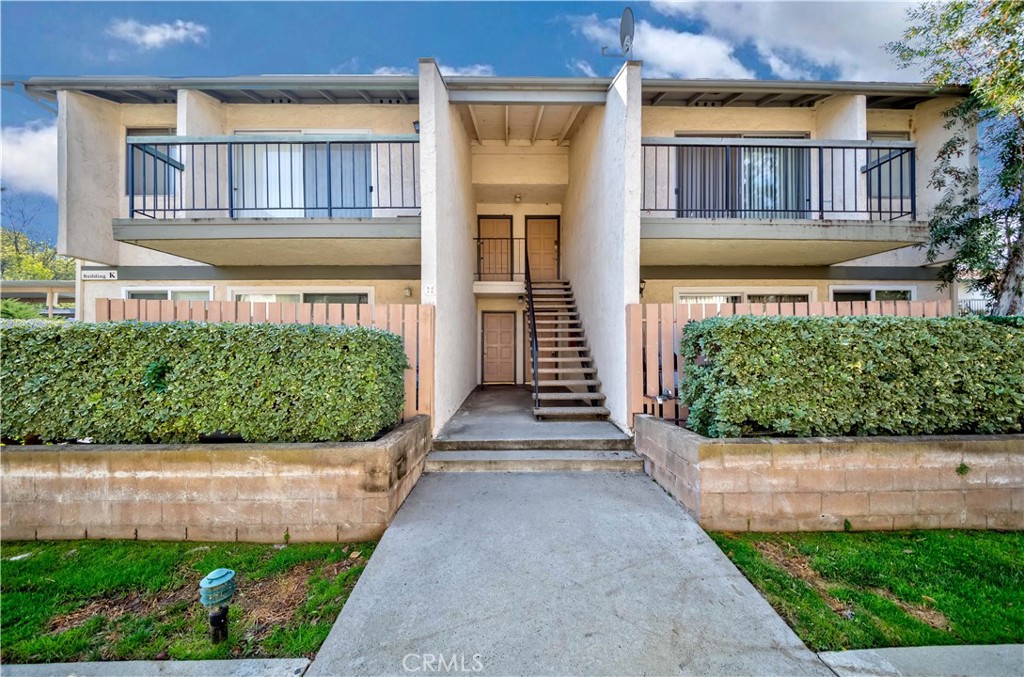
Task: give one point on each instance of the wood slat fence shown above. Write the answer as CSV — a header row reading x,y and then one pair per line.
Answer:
x,y
414,323
653,332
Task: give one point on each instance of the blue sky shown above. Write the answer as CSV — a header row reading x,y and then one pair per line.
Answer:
x,y
789,40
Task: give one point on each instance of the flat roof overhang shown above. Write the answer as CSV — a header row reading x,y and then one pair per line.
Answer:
x,y
742,242
279,242
787,93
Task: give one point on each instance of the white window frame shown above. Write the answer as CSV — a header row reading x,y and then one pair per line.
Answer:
x,y
369,291
150,289
743,292
872,288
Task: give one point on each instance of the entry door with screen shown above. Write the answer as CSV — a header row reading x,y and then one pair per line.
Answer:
x,y
499,347
542,243
282,180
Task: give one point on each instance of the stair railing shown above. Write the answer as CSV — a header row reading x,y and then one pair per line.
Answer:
x,y
533,327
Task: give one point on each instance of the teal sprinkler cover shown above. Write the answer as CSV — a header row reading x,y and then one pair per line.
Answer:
x,y
217,587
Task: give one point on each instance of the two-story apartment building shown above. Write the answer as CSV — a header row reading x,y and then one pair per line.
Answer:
x,y
458,191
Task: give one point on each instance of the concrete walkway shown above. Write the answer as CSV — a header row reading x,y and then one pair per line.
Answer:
x,y
554,573
1000,660
249,667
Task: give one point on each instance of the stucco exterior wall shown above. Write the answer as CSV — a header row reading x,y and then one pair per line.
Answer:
x,y
379,118
667,121
601,229
930,134
447,226
384,291
662,291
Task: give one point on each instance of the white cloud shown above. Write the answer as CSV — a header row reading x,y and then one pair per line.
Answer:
x,y
582,67
477,69
157,36
392,70
668,53
28,158
795,39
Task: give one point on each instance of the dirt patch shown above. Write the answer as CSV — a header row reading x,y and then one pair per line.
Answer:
x,y
925,614
265,603
787,557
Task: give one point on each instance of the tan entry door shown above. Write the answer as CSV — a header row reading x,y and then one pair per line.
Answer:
x,y
495,248
542,241
499,347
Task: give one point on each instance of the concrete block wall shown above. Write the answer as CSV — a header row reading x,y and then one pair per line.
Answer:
x,y
818,484
212,492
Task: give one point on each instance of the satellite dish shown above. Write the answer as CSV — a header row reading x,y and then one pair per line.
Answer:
x,y
626,26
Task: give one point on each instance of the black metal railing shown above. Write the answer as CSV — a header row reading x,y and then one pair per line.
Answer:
x,y
718,178
975,307
275,176
500,259
534,349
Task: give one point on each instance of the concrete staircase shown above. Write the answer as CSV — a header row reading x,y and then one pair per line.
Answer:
x,y
567,381
539,455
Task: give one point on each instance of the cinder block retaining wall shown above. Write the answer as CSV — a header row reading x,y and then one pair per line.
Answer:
x,y
211,492
816,484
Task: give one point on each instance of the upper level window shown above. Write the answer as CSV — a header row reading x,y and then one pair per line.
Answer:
x,y
147,171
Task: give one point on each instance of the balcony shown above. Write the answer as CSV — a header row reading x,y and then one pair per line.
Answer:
x,y
500,266
742,201
273,199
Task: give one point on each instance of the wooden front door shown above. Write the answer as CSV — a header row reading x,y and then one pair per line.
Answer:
x,y
495,248
542,241
499,348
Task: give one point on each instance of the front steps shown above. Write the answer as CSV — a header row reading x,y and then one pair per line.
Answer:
x,y
568,387
534,460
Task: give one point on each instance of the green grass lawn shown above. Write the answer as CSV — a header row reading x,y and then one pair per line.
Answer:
x,y
882,589
129,600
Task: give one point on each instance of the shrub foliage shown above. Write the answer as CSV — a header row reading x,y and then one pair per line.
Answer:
x,y
129,382
823,376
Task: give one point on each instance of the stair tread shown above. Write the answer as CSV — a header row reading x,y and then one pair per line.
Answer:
x,y
570,411
532,454
567,370
569,382
584,359
570,396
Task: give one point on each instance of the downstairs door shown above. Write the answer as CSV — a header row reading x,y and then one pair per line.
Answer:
x,y
499,347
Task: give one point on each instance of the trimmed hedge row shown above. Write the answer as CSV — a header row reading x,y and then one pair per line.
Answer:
x,y
130,382
827,376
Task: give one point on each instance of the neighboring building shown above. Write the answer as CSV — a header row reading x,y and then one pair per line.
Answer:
x,y
55,298
432,189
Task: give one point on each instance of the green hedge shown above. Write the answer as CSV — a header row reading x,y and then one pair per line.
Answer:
x,y
129,382
818,376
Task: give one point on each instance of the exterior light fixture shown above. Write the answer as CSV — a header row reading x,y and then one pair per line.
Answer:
x,y
215,592
643,285
518,198
416,126
407,292
521,299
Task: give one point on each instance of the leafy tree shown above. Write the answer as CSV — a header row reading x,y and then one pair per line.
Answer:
x,y
16,310
980,222
23,254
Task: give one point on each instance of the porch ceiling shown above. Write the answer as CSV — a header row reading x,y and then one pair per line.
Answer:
x,y
522,122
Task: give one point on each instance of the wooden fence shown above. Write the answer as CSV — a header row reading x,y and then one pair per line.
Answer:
x,y
414,323
655,367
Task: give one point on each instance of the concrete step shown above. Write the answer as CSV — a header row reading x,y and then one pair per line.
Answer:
x,y
585,359
544,460
567,370
571,396
562,323
559,330
564,349
564,442
570,412
569,382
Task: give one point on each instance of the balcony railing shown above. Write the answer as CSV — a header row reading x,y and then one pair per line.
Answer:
x,y
273,176
500,259
743,178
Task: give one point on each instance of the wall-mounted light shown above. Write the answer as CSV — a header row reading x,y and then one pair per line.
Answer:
x,y
416,126
407,292
521,299
518,198
643,285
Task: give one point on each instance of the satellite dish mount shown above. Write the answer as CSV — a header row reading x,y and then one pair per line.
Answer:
x,y
626,26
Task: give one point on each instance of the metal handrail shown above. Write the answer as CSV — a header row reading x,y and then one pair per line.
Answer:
x,y
534,349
